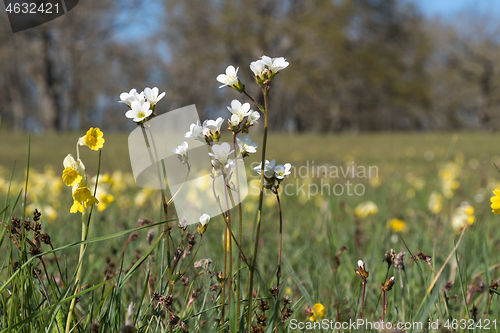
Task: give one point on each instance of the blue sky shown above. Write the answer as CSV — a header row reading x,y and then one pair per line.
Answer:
x,y
447,8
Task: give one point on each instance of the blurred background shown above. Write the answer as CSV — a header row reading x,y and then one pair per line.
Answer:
x,y
355,65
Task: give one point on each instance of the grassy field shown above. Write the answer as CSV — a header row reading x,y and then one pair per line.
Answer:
x,y
411,169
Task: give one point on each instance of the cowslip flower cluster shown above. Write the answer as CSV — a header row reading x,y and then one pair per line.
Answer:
x,y
141,104
273,174
74,172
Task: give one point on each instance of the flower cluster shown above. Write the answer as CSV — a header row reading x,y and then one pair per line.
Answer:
x,y
361,270
141,104
266,68
74,172
242,117
273,174
208,132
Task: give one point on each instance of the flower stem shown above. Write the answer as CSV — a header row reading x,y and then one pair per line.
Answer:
x,y
363,300
78,273
259,214
278,273
240,225
384,305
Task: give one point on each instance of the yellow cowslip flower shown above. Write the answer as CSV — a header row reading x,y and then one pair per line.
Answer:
x,y
495,202
366,208
83,198
318,312
74,170
93,139
435,203
104,201
71,176
397,225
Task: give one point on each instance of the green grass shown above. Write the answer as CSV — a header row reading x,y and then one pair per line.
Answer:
x,y
315,227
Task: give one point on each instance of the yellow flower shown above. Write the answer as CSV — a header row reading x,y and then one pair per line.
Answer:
x,y
104,201
435,203
463,216
495,202
71,176
397,225
83,198
94,138
366,208
76,207
318,312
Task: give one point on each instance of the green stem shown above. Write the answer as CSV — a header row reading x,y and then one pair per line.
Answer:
x,y
259,214
78,273
240,225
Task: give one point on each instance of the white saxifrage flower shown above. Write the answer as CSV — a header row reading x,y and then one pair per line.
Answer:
x,y
204,219
275,64
211,129
152,95
240,110
258,67
230,78
246,145
280,171
360,263
253,117
130,97
268,168
195,132
139,112
181,150
220,154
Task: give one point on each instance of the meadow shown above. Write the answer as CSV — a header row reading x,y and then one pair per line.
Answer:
x,y
429,202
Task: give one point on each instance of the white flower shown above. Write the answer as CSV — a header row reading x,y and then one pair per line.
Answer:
x,y
139,112
268,168
70,162
204,219
230,78
235,120
213,125
246,144
392,278
240,110
132,96
258,67
220,153
281,171
181,149
275,64
360,263
152,95
253,117
195,132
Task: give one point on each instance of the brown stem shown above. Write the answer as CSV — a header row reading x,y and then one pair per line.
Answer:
x,y
363,300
